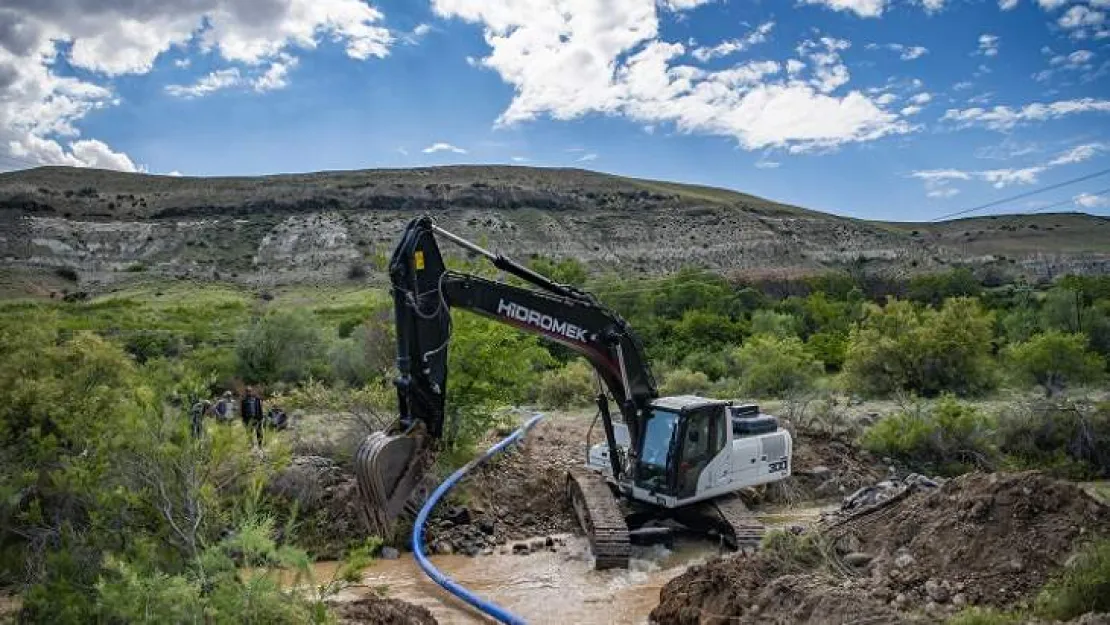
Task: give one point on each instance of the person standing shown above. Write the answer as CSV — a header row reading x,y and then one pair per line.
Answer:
x,y
251,412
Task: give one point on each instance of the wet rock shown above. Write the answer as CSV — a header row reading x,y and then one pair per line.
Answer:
x,y
443,547
389,553
858,559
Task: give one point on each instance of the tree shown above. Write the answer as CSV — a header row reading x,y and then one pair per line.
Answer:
x,y
774,324
772,366
1055,360
903,347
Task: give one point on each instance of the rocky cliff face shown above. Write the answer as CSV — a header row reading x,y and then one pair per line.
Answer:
x,y
108,226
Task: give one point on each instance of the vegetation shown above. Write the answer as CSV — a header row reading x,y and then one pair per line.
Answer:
x,y
1055,360
948,437
775,366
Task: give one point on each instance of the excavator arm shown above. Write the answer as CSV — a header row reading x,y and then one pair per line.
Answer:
x,y
424,293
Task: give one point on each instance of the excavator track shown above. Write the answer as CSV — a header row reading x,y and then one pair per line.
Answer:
x,y
740,528
600,517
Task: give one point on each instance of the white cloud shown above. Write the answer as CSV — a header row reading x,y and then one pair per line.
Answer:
x,y
862,8
182,63
1001,178
214,81
520,159
441,146
932,6
1078,18
988,44
565,60
725,48
1051,5
942,192
922,98
1090,200
963,85
109,38
906,53
765,164
276,76
585,158
910,110
683,5
1005,117
175,174
421,30
1007,5
1078,154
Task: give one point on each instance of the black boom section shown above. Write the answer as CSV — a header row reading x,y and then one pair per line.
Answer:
x,y
424,292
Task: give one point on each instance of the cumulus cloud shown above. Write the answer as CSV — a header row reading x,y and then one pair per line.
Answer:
x,y
937,181
1007,5
862,8
1051,5
1005,117
1091,200
988,44
732,46
441,146
567,59
906,53
40,109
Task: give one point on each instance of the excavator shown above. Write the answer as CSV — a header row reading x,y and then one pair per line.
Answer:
x,y
665,459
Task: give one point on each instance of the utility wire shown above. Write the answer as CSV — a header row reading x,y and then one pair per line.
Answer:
x,y
1022,195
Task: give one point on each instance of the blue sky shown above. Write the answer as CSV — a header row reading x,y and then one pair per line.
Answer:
x,y
880,109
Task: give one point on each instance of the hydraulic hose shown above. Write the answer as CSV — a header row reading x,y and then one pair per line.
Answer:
x,y
488,607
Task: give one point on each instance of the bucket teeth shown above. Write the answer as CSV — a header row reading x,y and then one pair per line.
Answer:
x,y
390,472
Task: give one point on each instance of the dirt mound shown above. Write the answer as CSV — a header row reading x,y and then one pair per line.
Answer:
x,y
381,611
518,495
990,539
824,467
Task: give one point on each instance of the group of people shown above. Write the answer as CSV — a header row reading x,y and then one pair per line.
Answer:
x,y
249,409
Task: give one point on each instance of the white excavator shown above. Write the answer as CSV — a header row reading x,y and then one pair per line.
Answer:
x,y
680,459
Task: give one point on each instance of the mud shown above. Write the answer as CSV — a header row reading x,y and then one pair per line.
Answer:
x,y
986,539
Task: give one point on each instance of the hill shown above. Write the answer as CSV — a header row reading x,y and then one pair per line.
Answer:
x,y
109,226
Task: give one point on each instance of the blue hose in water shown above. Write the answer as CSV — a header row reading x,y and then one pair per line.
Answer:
x,y
488,607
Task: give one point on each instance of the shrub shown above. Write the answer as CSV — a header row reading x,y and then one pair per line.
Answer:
x,y
572,385
684,382
357,271
774,324
771,366
949,437
1055,360
829,348
66,273
1069,440
367,354
1082,588
136,268
902,347
282,346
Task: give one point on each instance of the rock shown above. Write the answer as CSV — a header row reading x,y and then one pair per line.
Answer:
x,y
389,553
521,549
537,544
858,559
488,551
458,515
820,471
847,543
1015,565
904,560
936,591
486,526
959,600
443,547
900,600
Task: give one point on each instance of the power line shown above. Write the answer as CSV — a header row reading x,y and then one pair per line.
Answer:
x,y
1022,195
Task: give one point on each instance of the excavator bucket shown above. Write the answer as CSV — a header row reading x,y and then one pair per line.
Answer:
x,y
391,471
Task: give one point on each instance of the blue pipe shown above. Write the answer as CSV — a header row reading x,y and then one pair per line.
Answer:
x,y
450,585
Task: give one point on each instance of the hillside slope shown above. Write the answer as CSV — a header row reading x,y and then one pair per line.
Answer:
x,y
312,227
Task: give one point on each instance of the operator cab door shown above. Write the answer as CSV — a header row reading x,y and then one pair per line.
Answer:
x,y
703,437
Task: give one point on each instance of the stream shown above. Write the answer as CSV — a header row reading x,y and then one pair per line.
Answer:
x,y
548,587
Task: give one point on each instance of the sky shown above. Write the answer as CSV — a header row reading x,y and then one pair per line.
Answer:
x,y
879,109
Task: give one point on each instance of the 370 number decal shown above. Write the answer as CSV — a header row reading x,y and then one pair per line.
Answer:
x,y
777,466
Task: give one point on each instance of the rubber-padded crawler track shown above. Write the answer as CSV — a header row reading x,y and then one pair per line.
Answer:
x,y
600,517
739,527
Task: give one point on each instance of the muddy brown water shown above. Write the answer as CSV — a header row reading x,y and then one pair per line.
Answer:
x,y
547,587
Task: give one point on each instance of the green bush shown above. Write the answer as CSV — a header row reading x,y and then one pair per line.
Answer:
x,y
282,346
774,324
1054,360
367,354
1070,440
949,437
905,348
1081,588
829,348
771,366
685,382
569,386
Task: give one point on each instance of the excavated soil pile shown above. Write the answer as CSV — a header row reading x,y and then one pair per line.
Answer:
x,y
990,539
381,611
824,467
519,495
